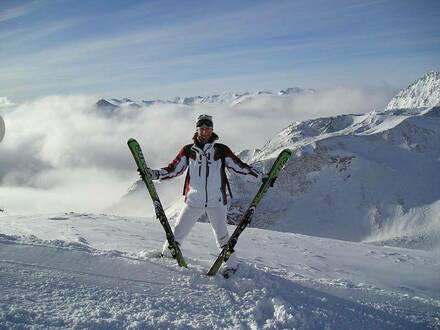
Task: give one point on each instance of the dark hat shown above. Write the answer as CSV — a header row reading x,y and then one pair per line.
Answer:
x,y
204,121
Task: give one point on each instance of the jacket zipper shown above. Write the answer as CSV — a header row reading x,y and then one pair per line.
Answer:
x,y
207,157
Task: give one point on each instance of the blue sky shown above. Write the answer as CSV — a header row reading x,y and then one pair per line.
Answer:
x,y
162,49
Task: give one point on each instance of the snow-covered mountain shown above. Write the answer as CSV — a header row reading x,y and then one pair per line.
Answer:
x,y
355,177
125,102
225,98
296,91
423,93
370,176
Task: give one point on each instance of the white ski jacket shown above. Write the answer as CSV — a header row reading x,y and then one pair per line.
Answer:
x,y
206,181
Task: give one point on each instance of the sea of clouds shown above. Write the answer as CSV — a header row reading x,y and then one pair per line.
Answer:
x,y
61,153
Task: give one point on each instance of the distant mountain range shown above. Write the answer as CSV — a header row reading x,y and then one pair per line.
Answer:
x,y
372,176
226,98
423,93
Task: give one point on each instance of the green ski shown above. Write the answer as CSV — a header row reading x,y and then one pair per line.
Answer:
x,y
136,150
228,249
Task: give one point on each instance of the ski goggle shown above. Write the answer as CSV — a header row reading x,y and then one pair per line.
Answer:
x,y
204,123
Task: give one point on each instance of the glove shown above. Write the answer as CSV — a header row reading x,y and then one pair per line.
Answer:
x,y
154,174
266,177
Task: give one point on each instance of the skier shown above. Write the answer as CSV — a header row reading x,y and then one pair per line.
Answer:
x,y
206,184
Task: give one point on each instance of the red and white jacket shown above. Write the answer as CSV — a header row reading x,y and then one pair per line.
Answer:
x,y
206,181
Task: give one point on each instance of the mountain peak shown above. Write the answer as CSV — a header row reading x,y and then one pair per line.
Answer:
x,y
296,90
102,103
432,73
423,93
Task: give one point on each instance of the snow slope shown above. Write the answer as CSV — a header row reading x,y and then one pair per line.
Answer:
x,y
355,177
75,270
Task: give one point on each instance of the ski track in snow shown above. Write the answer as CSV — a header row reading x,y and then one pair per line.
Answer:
x,y
66,283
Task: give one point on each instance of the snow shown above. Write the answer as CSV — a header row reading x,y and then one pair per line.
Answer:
x,y
71,270
423,93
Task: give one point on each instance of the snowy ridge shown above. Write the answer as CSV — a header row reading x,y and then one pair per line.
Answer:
x,y
423,93
363,167
89,271
369,177
296,90
225,98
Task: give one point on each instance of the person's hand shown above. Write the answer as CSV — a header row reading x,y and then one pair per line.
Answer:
x,y
154,174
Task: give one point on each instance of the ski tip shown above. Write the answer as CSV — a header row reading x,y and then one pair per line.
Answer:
x,y
130,140
289,151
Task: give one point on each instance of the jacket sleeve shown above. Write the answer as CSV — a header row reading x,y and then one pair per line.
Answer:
x,y
235,164
175,168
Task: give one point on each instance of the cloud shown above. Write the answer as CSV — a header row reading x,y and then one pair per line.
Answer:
x,y
18,11
61,154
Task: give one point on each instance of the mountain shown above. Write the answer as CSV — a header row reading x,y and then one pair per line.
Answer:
x,y
225,98
116,103
102,103
296,90
423,93
354,177
370,176
125,102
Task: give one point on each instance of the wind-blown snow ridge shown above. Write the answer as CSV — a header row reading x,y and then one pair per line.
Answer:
x,y
423,93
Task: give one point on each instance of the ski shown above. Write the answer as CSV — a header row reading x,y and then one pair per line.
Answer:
x,y
136,150
228,249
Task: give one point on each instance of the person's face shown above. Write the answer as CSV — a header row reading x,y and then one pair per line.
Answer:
x,y
205,132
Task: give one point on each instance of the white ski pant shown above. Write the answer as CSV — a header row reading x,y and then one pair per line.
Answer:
x,y
217,218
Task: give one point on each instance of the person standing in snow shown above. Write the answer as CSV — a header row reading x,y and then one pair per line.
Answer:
x,y
206,184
